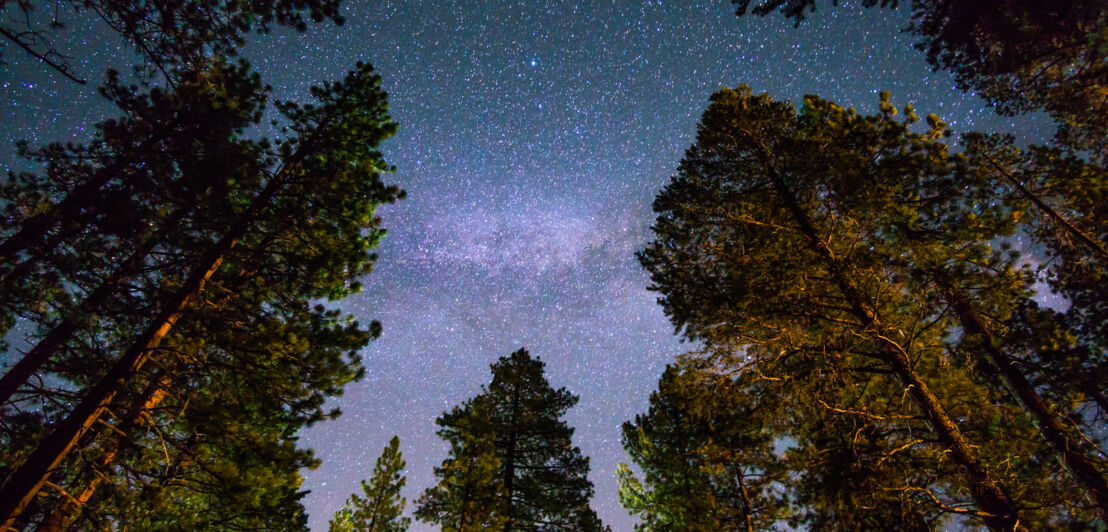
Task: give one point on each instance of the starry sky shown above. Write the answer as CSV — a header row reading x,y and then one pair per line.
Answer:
x,y
533,138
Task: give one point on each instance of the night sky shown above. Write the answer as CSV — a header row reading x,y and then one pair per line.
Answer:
x,y
532,142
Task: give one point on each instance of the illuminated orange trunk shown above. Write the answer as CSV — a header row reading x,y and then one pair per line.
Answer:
x,y
1003,514
24,483
64,513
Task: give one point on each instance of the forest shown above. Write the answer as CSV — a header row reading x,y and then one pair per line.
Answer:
x,y
886,323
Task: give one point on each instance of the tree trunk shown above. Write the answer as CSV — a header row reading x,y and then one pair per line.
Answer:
x,y
465,507
1061,440
18,374
509,460
1095,245
1002,512
745,496
65,512
24,482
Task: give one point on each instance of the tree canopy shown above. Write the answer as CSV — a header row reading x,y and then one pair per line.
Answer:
x,y
1020,55
826,242
166,34
177,277
512,464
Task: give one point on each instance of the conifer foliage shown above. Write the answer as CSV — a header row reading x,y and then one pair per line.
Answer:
x,y
380,507
166,33
1020,55
857,268
706,455
171,274
512,465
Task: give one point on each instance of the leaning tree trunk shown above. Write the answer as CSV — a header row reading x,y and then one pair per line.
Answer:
x,y
1001,513
744,497
1092,243
25,482
18,374
1061,440
69,511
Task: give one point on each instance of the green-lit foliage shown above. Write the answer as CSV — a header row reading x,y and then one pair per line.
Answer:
x,y
380,509
202,429
707,455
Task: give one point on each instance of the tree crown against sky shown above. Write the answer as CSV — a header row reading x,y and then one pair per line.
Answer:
x,y
216,276
380,506
999,313
1020,55
706,463
823,241
512,465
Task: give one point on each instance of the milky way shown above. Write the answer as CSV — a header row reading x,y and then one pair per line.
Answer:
x,y
533,138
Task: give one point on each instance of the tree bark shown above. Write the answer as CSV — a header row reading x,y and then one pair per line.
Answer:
x,y
25,482
1002,513
745,496
1093,244
67,512
18,374
1060,439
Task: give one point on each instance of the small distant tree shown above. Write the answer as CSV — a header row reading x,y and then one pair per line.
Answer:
x,y
512,464
706,455
468,490
380,509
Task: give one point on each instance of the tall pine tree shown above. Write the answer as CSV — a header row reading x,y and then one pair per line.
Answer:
x,y
816,242
227,294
